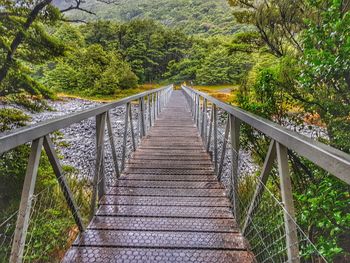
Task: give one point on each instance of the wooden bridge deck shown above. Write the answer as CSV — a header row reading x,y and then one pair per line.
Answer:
x,y
168,205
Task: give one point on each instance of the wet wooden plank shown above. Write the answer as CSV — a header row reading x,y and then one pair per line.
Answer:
x,y
167,206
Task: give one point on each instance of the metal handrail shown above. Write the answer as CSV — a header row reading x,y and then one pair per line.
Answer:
x,y
38,134
14,138
330,159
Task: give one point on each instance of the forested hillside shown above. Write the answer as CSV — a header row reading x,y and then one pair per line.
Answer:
x,y
211,17
288,59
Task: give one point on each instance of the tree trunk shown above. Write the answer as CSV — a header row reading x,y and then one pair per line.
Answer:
x,y
20,37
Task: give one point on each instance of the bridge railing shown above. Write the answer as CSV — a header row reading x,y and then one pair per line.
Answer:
x,y
85,162
262,195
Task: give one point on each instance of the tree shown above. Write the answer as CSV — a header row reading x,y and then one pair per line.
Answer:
x,y
25,42
277,21
91,71
325,79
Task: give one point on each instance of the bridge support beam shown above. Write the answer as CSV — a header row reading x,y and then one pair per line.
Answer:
x,y
264,175
129,109
26,202
204,120
99,178
215,139
125,136
111,141
287,199
57,168
235,128
210,129
224,144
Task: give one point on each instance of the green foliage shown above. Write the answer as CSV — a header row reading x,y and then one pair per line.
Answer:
x,y
91,70
309,72
12,118
211,62
51,223
327,215
147,46
22,48
110,53
204,17
277,21
325,70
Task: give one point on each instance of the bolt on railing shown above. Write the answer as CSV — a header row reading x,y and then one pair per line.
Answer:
x,y
266,215
150,104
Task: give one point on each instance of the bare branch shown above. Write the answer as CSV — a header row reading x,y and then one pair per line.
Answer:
x,y
77,6
73,20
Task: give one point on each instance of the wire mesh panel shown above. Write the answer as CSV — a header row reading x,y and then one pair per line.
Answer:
x,y
67,173
253,178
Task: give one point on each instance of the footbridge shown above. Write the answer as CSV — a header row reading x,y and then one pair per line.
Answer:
x,y
164,179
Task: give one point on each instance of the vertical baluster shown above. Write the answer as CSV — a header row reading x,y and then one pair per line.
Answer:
x,y
161,100
235,133
143,122
100,153
140,118
154,108
223,154
98,180
201,119
57,168
195,108
198,110
264,175
215,139
150,111
287,199
204,120
111,140
192,104
132,126
158,104
210,127
26,202
125,137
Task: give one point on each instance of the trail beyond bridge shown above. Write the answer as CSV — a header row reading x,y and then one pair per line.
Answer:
x,y
168,206
175,186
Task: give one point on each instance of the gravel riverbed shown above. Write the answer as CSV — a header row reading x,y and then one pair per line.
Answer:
x,y
79,139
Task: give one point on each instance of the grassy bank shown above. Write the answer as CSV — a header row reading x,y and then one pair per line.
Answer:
x,y
226,93
108,98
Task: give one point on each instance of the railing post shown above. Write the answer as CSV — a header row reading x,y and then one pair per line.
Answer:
x,y
142,117
160,101
195,108
223,154
57,168
125,136
200,124
204,121
150,111
111,141
131,126
210,127
26,202
192,104
154,107
235,132
264,175
158,104
100,153
287,199
198,111
215,139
